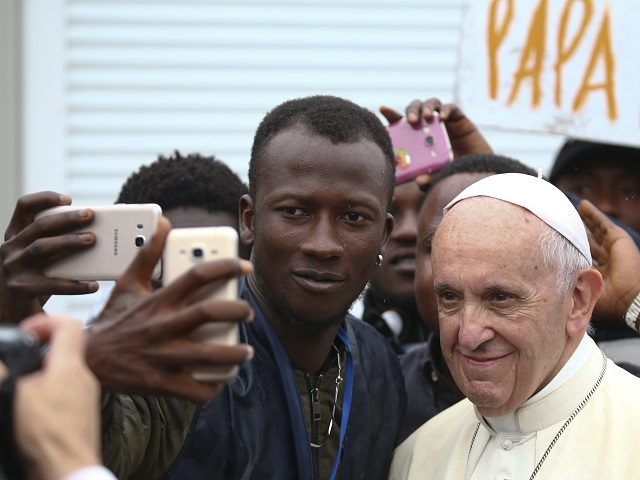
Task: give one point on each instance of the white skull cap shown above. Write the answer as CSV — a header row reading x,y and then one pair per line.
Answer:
x,y
538,196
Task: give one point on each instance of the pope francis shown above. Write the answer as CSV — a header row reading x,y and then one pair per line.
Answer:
x,y
515,287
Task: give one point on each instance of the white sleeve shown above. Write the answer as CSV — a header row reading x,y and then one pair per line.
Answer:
x,y
96,472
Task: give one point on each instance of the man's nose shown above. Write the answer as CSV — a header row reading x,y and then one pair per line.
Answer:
x,y
475,328
406,227
323,239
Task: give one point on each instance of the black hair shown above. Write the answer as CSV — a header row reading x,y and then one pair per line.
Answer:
x,y
575,153
482,163
192,181
334,118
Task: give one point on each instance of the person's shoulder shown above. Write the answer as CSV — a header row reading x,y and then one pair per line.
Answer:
x,y
364,332
621,378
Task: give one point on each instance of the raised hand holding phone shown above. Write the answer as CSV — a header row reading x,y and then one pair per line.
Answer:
x,y
188,247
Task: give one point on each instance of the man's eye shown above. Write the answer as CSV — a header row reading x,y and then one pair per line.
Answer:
x,y
500,297
447,296
354,217
293,211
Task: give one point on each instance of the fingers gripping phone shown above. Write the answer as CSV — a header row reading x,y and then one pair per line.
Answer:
x,y
419,149
120,231
186,248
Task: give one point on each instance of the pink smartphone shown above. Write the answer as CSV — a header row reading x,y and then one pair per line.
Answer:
x,y
423,148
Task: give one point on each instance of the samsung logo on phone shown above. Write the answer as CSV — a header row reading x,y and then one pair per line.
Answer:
x,y
115,242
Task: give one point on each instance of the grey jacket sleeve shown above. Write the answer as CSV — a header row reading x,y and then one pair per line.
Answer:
x,y
143,435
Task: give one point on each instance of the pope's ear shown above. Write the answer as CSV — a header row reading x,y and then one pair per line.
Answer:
x,y
584,296
247,218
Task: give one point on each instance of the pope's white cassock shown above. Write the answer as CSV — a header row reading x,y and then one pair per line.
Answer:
x,y
585,424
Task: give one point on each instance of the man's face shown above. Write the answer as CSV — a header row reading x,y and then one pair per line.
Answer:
x,y
430,216
317,224
611,185
393,280
502,322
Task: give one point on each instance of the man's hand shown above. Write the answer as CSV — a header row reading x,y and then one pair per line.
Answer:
x,y
32,245
464,136
56,410
618,260
142,341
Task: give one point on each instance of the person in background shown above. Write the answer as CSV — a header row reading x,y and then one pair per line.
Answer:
x,y
609,177
617,258
389,304
193,191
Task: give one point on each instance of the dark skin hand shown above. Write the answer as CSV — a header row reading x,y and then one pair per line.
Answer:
x,y
464,136
616,257
30,245
141,342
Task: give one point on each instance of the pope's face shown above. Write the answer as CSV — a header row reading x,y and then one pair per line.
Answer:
x,y
502,322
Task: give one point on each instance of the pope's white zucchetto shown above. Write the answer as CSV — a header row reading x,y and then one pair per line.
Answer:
x,y
539,197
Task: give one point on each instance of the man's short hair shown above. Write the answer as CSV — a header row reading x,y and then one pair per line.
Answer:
x,y
333,118
194,181
482,163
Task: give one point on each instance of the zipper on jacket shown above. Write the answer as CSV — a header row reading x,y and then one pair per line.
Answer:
x,y
316,416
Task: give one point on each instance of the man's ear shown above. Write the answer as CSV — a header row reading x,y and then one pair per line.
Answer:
x,y
584,296
388,228
247,218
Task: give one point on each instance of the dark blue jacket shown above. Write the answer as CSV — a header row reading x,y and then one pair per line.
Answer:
x,y
256,428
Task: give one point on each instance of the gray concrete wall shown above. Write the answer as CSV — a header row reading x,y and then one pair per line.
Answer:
x,y
10,99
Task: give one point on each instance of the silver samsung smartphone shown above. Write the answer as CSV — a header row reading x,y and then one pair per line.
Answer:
x,y
186,248
120,231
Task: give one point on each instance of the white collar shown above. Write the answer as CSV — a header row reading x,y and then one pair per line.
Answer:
x,y
509,423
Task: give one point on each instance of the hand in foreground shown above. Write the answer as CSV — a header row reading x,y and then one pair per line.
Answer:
x,y
464,136
30,245
141,342
56,409
617,258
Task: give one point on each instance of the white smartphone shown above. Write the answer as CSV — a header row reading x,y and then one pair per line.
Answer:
x,y
120,231
187,247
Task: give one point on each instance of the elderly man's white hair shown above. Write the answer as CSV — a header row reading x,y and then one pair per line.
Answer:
x,y
563,243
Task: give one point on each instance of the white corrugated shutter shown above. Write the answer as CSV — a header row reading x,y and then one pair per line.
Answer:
x,y
139,78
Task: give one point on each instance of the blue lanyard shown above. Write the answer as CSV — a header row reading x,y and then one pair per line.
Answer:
x,y
346,401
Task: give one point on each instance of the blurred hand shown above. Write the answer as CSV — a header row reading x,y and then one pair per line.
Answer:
x,y
618,260
464,136
141,342
56,410
32,245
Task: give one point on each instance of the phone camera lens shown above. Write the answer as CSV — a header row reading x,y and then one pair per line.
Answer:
x,y
139,241
197,252
429,140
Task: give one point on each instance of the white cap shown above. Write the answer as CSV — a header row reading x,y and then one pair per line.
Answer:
x,y
539,197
